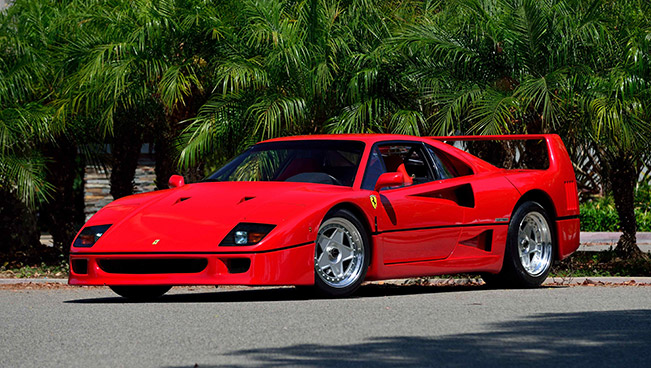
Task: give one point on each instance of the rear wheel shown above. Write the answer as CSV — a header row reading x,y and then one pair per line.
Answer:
x,y
341,254
140,292
529,252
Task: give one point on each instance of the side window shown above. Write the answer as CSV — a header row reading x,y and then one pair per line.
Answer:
x,y
447,166
417,165
409,159
374,169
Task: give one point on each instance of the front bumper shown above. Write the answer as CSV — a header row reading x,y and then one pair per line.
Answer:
x,y
287,266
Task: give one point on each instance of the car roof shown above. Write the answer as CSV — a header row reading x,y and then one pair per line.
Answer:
x,y
367,138
476,163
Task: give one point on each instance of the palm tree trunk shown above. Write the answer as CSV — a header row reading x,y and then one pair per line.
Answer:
x,y
623,178
163,143
62,213
167,133
19,234
125,150
494,152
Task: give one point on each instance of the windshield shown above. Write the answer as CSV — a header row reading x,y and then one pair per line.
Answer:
x,y
309,161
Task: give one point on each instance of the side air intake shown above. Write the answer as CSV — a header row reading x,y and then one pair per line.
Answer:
x,y
483,241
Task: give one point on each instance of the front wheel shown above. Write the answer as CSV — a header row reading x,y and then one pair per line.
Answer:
x,y
529,252
341,254
140,292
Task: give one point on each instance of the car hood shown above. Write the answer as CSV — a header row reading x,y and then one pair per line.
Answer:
x,y
196,217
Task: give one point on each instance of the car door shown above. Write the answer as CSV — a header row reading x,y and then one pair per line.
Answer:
x,y
487,198
417,222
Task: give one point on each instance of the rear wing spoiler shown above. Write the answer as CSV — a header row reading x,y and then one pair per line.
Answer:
x,y
559,159
560,171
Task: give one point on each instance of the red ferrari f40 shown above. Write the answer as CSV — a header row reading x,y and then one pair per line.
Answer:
x,y
335,210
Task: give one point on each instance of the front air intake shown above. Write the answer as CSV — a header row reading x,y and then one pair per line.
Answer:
x,y
79,266
238,265
153,266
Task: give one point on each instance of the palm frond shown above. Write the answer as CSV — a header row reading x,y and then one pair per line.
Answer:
x,y
408,122
453,109
541,94
26,176
530,26
362,117
237,74
218,120
275,114
493,113
176,84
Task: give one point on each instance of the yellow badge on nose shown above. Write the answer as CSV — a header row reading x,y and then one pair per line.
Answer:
x,y
373,201
155,242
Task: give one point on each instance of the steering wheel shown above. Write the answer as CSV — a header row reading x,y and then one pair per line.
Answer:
x,y
335,181
314,177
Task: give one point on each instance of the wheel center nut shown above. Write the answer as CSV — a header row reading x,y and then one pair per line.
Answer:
x,y
333,253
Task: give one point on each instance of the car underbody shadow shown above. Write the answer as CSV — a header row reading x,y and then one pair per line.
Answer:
x,y
282,294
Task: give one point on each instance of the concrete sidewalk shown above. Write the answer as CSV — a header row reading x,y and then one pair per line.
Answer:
x,y
596,242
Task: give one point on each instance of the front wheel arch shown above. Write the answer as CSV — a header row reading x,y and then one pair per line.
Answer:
x,y
361,216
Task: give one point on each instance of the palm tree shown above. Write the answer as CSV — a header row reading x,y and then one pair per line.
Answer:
x,y
69,72
139,67
28,125
615,101
301,68
498,67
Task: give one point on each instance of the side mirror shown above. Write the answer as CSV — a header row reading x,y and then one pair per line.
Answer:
x,y
390,179
176,181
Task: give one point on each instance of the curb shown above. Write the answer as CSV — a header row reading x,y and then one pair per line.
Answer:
x,y
643,238
34,281
597,280
550,281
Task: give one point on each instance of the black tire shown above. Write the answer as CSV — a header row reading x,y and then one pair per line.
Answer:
x,y
343,270
523,266
140,293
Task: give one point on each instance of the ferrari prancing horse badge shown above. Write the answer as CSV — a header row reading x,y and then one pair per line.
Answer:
x,y
374,201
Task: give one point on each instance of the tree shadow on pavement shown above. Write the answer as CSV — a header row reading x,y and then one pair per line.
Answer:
x,y
285,294
586,339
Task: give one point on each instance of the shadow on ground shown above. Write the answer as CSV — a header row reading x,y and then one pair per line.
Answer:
x,y
589,339
286,294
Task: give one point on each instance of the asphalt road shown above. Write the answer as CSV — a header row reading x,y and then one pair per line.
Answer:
x,y
385,326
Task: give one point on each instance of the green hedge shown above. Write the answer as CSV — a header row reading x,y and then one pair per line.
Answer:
x,y
594,218
599,214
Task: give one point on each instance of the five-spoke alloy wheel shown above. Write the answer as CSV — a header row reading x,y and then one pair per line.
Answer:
x,y
341,254
529,252
535,244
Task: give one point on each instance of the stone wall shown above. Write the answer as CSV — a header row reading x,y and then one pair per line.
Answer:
x,y
97,190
